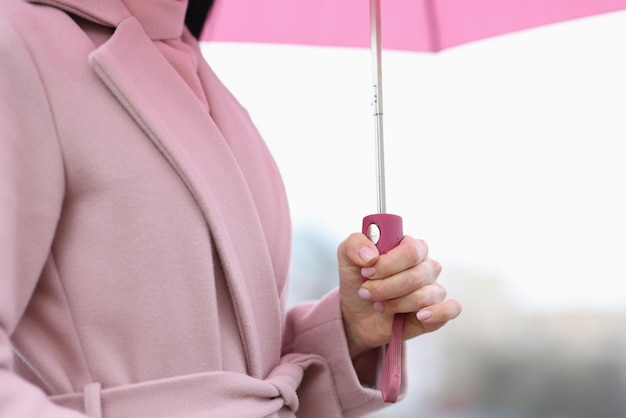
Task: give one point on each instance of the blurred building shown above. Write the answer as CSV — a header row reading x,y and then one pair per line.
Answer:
x,y
497,361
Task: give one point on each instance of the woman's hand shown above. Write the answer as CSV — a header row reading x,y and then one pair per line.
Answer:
x,y
402,281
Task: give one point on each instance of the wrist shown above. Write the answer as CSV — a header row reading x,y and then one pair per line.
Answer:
x,y
355,345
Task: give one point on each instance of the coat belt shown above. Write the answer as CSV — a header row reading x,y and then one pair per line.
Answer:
x,y
218,393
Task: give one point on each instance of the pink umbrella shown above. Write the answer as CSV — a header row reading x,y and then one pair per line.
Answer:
x,y
412,25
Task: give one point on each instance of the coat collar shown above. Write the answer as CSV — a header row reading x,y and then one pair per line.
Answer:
x,y
107,13
110,13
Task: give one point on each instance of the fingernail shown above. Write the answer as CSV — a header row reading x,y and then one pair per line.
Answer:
x,y
367,271
364,294
378,307
366,254
423,315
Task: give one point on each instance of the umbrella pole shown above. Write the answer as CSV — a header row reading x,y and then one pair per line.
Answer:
x,y
384,229
378,104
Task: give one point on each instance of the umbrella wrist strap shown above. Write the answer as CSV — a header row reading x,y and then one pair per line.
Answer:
x,y
392,367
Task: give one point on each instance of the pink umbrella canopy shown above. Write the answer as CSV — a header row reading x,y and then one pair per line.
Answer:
x,y
411,25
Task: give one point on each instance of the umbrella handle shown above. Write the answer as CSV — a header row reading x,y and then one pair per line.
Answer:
x,y
385,231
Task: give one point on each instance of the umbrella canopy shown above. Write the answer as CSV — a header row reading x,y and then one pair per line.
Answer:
x,y
412,25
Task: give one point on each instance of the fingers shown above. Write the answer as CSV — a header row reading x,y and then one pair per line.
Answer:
x,y
414,301
358,250
410,252
439,313
402,280
405,282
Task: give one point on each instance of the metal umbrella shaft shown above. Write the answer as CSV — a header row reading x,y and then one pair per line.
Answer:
x,y
385,230
377,105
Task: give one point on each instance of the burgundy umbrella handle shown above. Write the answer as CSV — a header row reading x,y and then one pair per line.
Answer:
x,y
385,231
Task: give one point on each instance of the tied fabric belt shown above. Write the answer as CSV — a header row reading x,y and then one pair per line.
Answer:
x,y
220,394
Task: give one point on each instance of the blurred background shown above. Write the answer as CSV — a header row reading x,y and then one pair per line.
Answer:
x,y
507,156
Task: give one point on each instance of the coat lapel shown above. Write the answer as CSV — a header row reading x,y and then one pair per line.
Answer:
x,y
175,121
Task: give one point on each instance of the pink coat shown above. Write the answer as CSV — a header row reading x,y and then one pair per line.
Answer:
x,y
144,245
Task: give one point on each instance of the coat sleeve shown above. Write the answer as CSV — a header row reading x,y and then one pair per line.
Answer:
x,y
31,197
317,328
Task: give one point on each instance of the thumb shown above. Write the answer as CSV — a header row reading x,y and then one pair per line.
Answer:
x,y
355,252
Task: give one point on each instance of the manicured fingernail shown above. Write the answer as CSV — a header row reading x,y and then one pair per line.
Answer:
x,y
366,254
423,315
367,271
364,294
378,307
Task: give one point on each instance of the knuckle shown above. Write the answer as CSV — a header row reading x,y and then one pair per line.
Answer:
x,y
354,236
350,244
420,301
423,245
354,240
415,281
443,292
437,267
414,253
392,307
376,291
